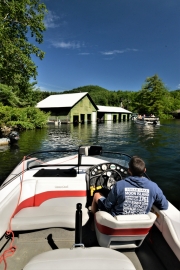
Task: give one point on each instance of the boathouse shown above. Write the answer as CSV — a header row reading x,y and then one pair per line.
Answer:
x,y
69,108
80,108
115,114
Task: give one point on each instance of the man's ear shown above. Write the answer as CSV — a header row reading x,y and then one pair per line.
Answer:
x,y
129,171
144,170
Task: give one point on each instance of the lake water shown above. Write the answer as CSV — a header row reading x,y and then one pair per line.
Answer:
x,y
158,146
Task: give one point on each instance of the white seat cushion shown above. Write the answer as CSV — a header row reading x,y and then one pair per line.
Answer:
x,y
132,217
31,218
80,259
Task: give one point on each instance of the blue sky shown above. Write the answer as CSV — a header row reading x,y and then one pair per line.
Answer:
x,y
115,44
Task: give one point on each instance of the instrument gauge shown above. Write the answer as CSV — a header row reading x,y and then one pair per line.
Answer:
x,y
95,169
99,167
108,173
93,173
113,166
104,167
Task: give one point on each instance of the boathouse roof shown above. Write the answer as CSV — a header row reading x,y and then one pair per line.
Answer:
x,y
111,109
63,100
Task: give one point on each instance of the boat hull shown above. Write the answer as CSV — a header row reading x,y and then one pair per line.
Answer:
x,y
38,202
148,122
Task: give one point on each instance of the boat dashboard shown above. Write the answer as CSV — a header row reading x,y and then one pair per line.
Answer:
x,y
104,176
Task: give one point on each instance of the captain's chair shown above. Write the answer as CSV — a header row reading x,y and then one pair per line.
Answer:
x,y
122,231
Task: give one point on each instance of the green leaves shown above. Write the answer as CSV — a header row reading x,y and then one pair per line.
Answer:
x,y
23,118
152,97
18,21
8,97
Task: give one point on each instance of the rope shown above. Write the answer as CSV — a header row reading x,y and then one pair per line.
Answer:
x,y
11,250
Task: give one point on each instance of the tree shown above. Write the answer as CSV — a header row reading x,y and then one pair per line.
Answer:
x,y
19,22
7,97
23,118
152,96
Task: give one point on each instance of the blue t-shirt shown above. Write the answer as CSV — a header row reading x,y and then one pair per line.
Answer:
x,y
134,195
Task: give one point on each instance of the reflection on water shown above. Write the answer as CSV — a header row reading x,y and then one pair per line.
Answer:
x,y
159,146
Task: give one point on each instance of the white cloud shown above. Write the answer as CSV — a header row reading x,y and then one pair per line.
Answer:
x,y
85,53
51,19
118,51
67,45
47,87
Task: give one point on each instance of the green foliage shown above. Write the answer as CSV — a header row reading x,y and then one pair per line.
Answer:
x,y
175,95
8,97
154,98
99,95
23,118
18,21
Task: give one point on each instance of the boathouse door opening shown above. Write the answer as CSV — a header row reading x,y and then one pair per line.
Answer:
x,y
89,117
82,118
75,119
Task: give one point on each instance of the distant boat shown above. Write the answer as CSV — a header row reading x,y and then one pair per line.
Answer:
x,y
13,137
149,120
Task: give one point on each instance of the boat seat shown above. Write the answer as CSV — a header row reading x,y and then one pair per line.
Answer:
x,y
122,231
168,222
32,218
80,259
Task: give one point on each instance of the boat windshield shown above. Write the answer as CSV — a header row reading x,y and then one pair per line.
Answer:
x,y
116,157
51,158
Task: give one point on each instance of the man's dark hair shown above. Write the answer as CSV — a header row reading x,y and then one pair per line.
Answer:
x,y
136,166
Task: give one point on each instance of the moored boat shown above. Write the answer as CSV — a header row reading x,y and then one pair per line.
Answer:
x,y
42,196
12,138
148,121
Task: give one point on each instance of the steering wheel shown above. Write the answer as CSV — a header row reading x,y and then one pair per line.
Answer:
x,y
105,175
111,177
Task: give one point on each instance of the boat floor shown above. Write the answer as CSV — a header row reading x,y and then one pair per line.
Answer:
x,y
30,244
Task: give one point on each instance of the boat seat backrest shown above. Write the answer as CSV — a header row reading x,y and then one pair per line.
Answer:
x,y
122,231
80,258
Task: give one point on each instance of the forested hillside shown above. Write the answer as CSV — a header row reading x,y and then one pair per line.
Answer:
x,y
153,97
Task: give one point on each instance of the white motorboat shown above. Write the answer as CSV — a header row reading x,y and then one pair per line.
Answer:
x,y
44,213
12,138
148,121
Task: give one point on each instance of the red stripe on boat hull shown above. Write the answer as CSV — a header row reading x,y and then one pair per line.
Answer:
x,y
121,232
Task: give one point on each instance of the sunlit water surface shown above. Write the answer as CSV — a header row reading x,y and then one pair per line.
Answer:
x,y
158,146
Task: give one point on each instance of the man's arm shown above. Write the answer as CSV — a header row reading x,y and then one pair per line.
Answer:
x,y
160,201
111,199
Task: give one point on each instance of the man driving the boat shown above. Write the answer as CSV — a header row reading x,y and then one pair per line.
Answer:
x,y
133,195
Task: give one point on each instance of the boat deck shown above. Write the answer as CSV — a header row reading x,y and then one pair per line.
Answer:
x,y
30,244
